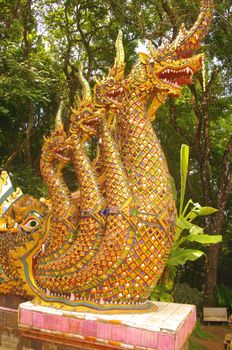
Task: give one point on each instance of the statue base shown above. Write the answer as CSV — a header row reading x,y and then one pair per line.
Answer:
x,y
168,328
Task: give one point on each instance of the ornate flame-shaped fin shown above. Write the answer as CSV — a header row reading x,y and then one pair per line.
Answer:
x,y
97,80
187,42
193,38
120,56
58,120
87,95
181,35
151,48
118,69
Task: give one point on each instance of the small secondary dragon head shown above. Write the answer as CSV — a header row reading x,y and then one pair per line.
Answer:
x,y
84,119
109,91
21,228
56,148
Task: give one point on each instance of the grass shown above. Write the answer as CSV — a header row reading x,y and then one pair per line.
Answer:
x,y
194,345
197,335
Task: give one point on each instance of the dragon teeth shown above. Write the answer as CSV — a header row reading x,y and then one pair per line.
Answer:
x,y
184,70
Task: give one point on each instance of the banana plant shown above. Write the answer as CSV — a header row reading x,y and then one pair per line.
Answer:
x,y
186,231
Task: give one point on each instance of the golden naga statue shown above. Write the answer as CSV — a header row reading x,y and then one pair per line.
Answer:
x,y
106,247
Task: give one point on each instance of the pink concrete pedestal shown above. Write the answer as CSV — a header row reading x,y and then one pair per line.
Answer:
x,y
168,328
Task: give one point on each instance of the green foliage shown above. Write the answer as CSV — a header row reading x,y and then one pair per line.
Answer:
x,y
179,253
180,256
194,345
28,182
186,232
197,335
184,294
223,296
42,43
224,266
161,293
184,160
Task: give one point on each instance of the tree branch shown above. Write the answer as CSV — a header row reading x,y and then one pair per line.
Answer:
x,y
173,19
225,182
182,131
202,142
198,115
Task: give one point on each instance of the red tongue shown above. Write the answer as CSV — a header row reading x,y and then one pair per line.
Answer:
x,y
183,81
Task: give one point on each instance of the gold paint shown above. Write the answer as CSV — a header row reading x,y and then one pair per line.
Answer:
x,y
108,244
157,101
147,308
87,95
118,69
58,119
3,179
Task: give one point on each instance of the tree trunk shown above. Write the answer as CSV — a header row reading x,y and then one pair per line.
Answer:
x,y
201,144
224,189
211,274
28,136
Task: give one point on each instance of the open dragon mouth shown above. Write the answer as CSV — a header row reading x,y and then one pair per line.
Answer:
x,y
176,77
86,125
115,93
111,96
63,153
91,124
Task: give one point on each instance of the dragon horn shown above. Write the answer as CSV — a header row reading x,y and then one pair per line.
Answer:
x,y
188,41
98,81
87,95
192,39
151,48
118,69
58,121
120,56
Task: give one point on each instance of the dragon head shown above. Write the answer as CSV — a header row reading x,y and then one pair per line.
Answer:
x,y
109,91
166,76
23,218
21,226
56,147
160,73
83,120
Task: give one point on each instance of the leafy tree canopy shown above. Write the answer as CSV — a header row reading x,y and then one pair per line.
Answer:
x,y
42,43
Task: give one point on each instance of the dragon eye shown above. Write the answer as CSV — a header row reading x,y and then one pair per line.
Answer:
x,y
32,223
111,83
168,59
